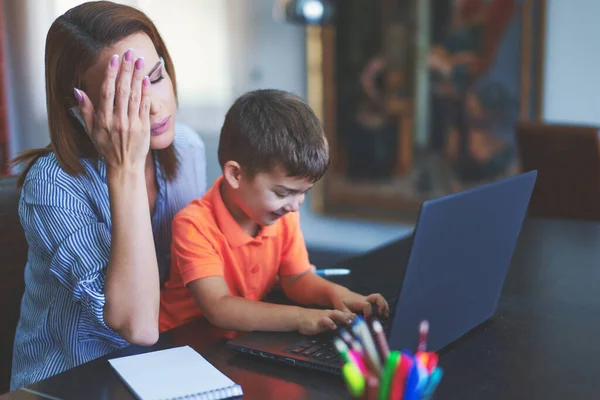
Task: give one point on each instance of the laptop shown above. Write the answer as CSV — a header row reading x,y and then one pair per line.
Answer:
x,y
459,256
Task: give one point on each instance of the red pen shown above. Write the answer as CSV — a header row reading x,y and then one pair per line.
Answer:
x,y
423,332
384,349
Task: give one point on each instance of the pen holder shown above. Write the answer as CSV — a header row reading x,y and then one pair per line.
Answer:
x,y
372,372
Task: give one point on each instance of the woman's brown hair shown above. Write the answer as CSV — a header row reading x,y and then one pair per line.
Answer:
x,y
73,44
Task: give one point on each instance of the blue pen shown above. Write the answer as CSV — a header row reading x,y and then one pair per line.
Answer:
x,y
434,380
412,382
333,272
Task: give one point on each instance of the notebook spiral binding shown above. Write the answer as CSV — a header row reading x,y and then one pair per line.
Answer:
x,y
224,393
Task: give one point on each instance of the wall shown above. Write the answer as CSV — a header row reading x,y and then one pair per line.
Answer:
x,y
270,53
572,81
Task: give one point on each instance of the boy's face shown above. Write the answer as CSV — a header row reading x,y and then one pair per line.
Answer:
x,y
268,196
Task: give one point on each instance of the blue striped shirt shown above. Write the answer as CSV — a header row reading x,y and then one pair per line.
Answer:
x,y
67,224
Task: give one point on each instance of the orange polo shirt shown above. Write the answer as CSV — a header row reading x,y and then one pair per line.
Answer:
x,y
207,241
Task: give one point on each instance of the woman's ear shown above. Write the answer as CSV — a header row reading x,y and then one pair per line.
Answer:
x,y
232,173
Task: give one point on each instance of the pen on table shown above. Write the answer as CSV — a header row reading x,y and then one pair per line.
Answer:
x,y
333,272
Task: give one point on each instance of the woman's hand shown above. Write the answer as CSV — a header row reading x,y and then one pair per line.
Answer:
x,y
120,127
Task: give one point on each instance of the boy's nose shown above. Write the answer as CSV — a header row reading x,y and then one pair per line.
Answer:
x,y
294,205
291,207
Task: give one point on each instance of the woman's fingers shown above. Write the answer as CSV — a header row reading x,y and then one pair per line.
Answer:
x,y
123,89
107,93
85,109
144,109
136,89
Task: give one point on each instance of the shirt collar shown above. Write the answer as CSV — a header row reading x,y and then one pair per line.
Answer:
x,y
233,232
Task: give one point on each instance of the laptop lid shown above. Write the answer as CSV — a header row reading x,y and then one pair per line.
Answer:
x,y
462,248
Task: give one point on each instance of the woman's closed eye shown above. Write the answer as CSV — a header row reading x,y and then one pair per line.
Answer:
x,y
156,73
157,76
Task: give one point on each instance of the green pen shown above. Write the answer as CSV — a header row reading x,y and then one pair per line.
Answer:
x,y
388,374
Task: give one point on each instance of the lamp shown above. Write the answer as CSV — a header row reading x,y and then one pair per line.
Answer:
x,y
304,12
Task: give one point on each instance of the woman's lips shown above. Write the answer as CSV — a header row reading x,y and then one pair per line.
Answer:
x,y
160,127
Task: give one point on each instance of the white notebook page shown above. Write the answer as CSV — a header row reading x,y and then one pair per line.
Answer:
x,y
172,373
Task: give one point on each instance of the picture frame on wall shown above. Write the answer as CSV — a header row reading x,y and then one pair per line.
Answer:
x,y
420,98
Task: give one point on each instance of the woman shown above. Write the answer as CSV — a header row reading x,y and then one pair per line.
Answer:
x,y
97,203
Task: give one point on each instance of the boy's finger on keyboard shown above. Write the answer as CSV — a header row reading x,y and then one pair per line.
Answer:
x,y
326,323
341,317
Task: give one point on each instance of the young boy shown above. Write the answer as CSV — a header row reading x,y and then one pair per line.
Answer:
x,y
230,246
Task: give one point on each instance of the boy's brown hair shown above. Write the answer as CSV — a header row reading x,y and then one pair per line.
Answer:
x,y
265,129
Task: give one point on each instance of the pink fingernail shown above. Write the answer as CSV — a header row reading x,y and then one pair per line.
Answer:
x,y
139,63
78,95
128,55
114,61
146,81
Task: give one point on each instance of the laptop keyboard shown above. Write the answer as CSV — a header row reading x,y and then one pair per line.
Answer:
x,y
321,348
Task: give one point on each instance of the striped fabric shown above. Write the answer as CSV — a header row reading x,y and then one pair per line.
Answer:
x,y
67,224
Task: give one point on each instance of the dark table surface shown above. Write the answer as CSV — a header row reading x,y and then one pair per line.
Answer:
x,y
540,344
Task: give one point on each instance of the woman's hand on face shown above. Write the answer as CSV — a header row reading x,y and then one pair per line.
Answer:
x,y
120,126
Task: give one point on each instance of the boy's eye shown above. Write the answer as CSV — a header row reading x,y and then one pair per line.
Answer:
x,y
280,195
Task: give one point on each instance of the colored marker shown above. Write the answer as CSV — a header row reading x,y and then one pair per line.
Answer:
x,y
384,348
342,349
361,330
412,382
434,380
423,332
333,272
387,376
355,381
399,381
358,360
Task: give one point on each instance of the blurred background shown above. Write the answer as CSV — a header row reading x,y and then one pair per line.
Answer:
x,y
419,98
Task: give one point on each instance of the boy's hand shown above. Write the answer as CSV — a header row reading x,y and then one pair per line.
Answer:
x,y
313,321
354,302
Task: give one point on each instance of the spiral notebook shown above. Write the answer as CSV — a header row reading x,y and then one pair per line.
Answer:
x,y
177,373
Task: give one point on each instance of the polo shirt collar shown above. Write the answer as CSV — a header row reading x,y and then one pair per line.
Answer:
x,y
233,232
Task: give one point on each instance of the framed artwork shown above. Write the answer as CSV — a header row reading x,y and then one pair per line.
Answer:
x,y
419,98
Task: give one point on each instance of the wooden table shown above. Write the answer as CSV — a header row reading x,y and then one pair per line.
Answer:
x,y
541,343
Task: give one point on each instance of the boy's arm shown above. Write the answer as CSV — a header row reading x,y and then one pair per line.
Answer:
x,y
311,289
240,314
306,288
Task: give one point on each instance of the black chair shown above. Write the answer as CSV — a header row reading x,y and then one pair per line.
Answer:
x,y
13,257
